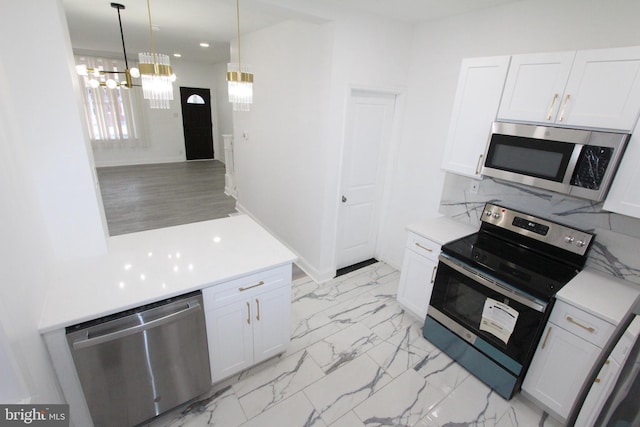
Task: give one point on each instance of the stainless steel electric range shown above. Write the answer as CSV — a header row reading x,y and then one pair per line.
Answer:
x,y
494,290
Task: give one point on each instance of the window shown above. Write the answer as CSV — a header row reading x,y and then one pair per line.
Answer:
x,y
111,114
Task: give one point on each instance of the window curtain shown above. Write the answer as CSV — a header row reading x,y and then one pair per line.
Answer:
x,y
111,114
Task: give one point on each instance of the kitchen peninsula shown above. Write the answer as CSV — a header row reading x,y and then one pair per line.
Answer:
x,y
218,256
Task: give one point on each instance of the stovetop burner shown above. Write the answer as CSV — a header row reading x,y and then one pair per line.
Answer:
x,y
532,254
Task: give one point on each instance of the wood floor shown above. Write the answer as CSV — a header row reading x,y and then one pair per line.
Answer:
x,y
145,197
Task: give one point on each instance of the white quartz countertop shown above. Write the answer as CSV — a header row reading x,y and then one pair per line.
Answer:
x,y
442,229
149,266
600,294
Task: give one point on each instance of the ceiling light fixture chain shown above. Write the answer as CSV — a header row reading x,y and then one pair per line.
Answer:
x,y
240,81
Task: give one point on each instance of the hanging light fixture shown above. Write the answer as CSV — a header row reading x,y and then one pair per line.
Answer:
x,y
92,75
240,81
157,77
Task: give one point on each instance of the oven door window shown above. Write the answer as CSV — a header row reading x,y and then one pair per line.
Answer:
x,y
466,302
528,156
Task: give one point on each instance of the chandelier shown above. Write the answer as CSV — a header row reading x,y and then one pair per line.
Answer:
x,y
96,77
156,75
239,79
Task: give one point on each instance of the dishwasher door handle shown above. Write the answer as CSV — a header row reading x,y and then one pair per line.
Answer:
x,y
89,342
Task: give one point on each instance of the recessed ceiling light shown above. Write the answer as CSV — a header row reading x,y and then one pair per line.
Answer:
x,y
203,44
177,55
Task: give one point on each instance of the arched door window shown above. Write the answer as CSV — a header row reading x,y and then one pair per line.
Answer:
x,y
195,99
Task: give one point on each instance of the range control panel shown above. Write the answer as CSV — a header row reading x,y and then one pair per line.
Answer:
x,y
552,233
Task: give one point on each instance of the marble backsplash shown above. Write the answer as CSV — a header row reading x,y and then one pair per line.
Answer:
x,y
616,250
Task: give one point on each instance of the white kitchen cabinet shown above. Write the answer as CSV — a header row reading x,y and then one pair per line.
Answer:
x,y
248,320
624,194
597,88
607,377
418,273
534,86
478,93
420,264
569,347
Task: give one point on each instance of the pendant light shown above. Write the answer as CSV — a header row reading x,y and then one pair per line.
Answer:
x,y
239,80
156,73
94,74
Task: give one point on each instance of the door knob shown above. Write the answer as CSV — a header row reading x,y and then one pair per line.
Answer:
x,y
344,199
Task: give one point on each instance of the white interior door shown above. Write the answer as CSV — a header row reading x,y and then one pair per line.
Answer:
x,y
368,130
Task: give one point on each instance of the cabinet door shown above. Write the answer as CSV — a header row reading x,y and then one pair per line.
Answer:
x,y
603,90
559,367
598,394
271,323
475,106
535,85
230,339
624,195
416,283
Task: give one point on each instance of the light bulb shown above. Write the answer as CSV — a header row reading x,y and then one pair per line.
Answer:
x,y
111,84
134,72
96,72
81,69
94,83
172,77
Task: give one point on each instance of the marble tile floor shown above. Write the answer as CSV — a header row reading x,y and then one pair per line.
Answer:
x,y
356,359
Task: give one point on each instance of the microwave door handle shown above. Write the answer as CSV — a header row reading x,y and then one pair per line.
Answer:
x,y
510,293
573,161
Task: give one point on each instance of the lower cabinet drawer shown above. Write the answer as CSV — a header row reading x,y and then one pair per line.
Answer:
x,y
582,324
423,246
225,293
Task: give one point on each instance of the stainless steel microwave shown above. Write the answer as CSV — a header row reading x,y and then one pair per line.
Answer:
x,y
577,162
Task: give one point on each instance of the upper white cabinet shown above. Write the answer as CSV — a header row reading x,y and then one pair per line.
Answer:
x,y
480,85
624,195
588,88
534,87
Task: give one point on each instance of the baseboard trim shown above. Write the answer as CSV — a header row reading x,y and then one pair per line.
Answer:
x,y
316,275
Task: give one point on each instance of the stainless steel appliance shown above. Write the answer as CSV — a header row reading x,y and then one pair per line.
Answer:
x,y
581,163
494,290
139,363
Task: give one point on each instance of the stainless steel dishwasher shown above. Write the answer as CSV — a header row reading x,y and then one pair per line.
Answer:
x,y
142,362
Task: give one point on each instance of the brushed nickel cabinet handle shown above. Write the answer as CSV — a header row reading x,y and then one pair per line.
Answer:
x,y
424,247
479,165
553,102
258,305
433,274
260,283
586,328
564,106
546,337
248,313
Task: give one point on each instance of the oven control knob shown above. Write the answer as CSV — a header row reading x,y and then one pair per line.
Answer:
x,y
580,243
488,213
496,215
569,239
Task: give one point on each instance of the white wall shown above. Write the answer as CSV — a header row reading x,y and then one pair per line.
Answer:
x,y
163,140
50,210
288,171
521,27
280,168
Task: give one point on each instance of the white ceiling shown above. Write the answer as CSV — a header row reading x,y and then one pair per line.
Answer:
x,y
183,24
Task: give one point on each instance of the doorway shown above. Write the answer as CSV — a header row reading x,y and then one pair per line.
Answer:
x,y
196,123
368,131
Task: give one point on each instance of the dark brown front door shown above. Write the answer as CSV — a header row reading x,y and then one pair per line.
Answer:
x,y
196,122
